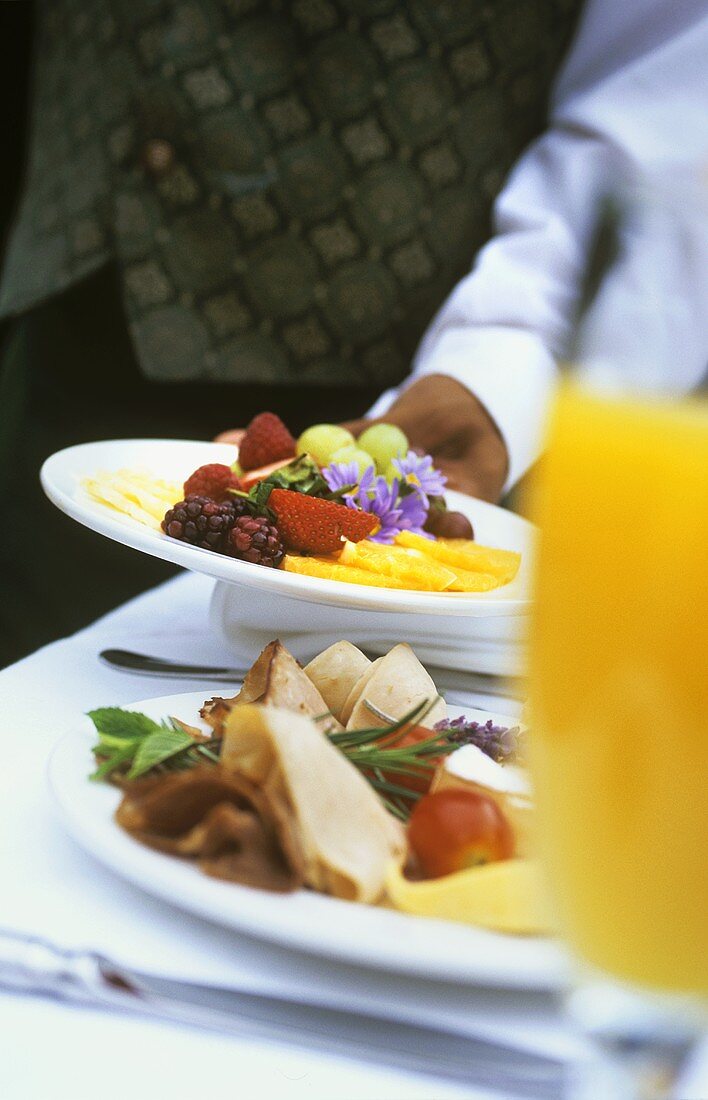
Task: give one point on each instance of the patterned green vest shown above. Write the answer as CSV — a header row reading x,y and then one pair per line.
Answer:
x,y
289,190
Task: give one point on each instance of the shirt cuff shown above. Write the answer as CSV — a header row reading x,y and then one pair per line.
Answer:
x,y
509,370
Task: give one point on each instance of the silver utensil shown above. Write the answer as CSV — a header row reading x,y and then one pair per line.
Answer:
x,y
36,966
449,679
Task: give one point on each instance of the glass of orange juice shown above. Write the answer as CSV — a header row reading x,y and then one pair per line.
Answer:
x,y
618,665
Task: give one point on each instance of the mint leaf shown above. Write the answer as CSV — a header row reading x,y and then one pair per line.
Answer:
x,y
116,758
157,748
114,722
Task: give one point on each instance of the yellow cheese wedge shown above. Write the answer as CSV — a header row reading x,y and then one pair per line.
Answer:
x,y
505,896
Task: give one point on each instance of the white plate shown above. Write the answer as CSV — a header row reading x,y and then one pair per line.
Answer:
x,y
480,632
311,922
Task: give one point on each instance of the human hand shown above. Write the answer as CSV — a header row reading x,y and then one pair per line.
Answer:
x,y
445,419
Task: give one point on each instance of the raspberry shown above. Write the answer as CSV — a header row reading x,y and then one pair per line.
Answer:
x,y
316,526
213,481
202,522
266,440
254,539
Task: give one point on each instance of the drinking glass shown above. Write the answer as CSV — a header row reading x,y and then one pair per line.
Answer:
x,y
618,651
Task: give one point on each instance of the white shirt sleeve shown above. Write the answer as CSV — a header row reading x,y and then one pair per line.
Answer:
x,y
631,100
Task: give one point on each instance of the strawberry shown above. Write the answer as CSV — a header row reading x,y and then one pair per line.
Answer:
x,y
315,526
213,481
266,440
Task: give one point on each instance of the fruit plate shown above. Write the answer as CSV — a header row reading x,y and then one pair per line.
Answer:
x,y
324,926
477,631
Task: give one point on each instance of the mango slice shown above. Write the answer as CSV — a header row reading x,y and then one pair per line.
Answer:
x,y
505,896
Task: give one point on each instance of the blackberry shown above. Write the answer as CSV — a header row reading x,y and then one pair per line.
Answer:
x,y
254,539
202,522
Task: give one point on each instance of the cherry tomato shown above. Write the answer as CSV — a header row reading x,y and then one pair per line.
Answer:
x,y
455,829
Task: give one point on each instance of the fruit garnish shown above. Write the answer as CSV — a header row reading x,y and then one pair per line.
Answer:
x,y
383,442
316,526
214,480
254,539
201,521
266,440
452,830
322,440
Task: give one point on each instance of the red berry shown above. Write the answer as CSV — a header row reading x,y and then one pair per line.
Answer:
x,y
266,440
213,481
316,526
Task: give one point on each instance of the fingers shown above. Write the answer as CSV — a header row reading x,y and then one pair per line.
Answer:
x,y
234,435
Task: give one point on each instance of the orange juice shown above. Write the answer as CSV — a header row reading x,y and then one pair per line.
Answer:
x,y
619,684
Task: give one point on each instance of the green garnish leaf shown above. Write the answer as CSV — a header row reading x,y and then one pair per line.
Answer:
x,y
158,747
118,724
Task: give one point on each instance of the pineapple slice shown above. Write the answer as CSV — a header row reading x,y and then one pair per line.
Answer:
x,y
465,555
331,570
410,567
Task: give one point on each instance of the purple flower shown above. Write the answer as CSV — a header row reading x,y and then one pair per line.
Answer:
x,y
383,499
377,496
414,512
418,473
342,475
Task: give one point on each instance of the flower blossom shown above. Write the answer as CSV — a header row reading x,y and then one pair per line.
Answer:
x,y
383,499
419,475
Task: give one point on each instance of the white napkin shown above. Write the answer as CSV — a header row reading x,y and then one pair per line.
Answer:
x,y
52,888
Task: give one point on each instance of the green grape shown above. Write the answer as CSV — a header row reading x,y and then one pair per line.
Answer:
x,y
322,440
352,453
383,442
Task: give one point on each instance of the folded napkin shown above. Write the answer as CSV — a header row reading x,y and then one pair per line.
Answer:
x,y
53,889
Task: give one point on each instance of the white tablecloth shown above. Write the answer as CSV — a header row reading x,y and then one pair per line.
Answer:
x,y
50,887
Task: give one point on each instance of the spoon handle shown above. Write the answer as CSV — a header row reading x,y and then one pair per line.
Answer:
x,y
144,665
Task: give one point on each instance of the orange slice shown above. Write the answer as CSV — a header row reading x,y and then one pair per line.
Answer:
x,y
465,554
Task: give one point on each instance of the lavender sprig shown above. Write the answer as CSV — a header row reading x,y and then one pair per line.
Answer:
x,y
500,743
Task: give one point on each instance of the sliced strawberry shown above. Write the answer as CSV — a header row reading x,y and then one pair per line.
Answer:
x,y
252,477
266,440
316,526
